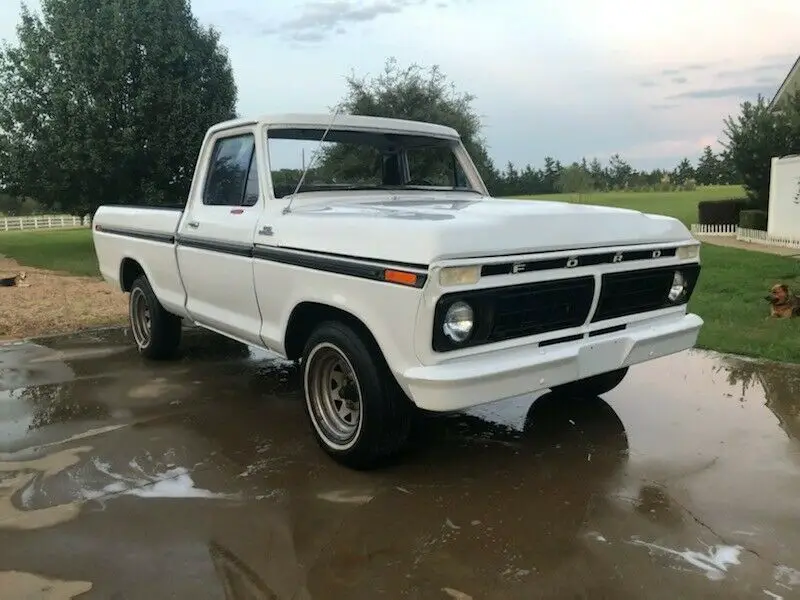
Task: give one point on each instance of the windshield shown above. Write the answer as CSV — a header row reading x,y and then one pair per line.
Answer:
x,y
363,160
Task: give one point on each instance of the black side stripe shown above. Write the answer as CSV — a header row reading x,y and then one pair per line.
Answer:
x,y
151,236
319,261
215,246
394,265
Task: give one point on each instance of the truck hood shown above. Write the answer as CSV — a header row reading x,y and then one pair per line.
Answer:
x,y
421,230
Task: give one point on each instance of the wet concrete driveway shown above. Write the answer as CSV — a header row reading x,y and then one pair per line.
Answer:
x,y
199,479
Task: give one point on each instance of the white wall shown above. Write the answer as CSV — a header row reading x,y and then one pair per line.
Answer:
x,y
784,198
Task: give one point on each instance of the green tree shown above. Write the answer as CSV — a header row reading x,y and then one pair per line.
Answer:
x,y
108,101
757,135
619,172
420,95
684,171
575,178
709,169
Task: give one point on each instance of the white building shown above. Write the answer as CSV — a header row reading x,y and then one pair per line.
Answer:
x,y
784,184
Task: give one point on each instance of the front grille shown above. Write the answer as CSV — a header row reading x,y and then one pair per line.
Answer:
x,y
633,292
516,311
541,307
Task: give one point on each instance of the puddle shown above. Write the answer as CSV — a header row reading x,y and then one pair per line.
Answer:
x,y
44,491
26,472
16,585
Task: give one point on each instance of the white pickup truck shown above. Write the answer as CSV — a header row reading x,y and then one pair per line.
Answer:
x,y
393,277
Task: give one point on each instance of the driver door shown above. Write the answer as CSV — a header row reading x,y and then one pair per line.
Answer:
x,y
215,240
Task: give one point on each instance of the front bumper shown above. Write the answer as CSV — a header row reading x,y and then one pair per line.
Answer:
x,y
507,373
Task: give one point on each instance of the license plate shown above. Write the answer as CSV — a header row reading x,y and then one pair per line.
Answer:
x,y
601,357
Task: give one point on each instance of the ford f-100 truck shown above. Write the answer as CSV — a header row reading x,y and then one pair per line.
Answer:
x,y
384,267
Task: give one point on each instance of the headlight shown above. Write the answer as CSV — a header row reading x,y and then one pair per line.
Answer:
x,y
678,289
458,322
688,252
459,275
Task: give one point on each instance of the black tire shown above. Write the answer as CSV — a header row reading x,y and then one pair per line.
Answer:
x,y
593,386
381,428
156,332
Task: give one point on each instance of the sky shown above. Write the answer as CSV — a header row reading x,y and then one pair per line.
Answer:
x,y
652,81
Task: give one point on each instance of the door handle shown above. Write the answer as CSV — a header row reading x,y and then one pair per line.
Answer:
x,y
193,224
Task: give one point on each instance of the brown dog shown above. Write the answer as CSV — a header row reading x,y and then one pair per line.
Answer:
x,y
12,281
783,304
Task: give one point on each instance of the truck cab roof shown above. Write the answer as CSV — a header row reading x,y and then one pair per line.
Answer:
x,y
342,121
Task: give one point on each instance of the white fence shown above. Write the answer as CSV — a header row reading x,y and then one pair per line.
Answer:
x,y
42,222
725,230
751,236
754,236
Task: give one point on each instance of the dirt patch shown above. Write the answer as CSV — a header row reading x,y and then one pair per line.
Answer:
x,y
48,302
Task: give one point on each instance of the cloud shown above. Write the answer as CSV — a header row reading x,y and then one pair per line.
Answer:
x,y
648,83
781,67
663,106
679,71
679,80
736,91
320,18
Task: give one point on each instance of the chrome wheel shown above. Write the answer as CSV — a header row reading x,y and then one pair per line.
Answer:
x,y
333,396
141,323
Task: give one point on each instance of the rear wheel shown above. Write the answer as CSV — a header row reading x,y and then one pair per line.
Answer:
x,y
359,414
595,385
157,333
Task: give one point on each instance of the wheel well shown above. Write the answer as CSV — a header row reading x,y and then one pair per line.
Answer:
x,y
307,315
129,270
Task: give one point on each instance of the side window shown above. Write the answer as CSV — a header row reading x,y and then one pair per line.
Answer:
x,y
228,170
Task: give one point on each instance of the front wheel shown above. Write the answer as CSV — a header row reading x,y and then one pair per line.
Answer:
x,y
359,414
156,331
594,386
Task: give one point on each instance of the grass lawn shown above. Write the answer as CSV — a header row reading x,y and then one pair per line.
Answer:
x,y
681,205
729,296
67,250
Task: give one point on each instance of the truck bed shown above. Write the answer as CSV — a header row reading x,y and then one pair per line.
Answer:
x,y
129,236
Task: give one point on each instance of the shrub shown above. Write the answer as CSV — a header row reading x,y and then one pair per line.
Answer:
x,y
720,212
753,219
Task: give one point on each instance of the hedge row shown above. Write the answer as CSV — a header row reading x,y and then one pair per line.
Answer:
x,y
721,212
734,211
753,219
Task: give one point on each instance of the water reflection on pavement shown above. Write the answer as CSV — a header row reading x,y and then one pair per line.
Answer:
x,y
199,478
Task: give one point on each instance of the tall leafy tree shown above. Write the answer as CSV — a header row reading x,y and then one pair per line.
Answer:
x,y
684,171
420,95
108,101
709,169
757,135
